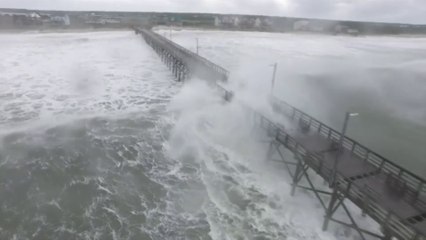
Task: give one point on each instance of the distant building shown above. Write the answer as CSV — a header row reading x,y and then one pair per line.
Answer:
x,y
217,22
317,26
19,20
302,25
236,21
34,16
45,18
353,32
138,21
343,29
103,21
6,20
60,20
197,20
229,21
243,22
257,23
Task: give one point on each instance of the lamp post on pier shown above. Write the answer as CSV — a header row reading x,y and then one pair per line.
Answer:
x,y
274,74
348,115
332,183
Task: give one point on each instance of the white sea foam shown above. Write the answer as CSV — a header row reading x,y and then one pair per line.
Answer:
x,y
49,75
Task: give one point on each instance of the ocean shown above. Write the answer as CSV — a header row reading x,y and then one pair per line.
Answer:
x,y
98,141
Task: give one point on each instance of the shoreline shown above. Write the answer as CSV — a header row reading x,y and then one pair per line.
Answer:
x,y
179,28
69,30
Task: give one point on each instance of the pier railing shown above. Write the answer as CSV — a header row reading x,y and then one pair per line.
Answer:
x,y
416,186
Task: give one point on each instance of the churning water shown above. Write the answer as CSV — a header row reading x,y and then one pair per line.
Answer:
x,y
98,142
83,129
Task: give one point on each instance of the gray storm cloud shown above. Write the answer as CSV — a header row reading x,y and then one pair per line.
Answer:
x,y
408,11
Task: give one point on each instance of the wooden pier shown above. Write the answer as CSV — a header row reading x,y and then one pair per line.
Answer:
x,y
182,62
391,195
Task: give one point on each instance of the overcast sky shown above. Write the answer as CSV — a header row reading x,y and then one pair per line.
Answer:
x,y
410,11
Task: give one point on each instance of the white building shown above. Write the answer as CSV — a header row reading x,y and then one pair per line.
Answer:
x,y
237,21
229,21
61,20
34,15
217,22
258,23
